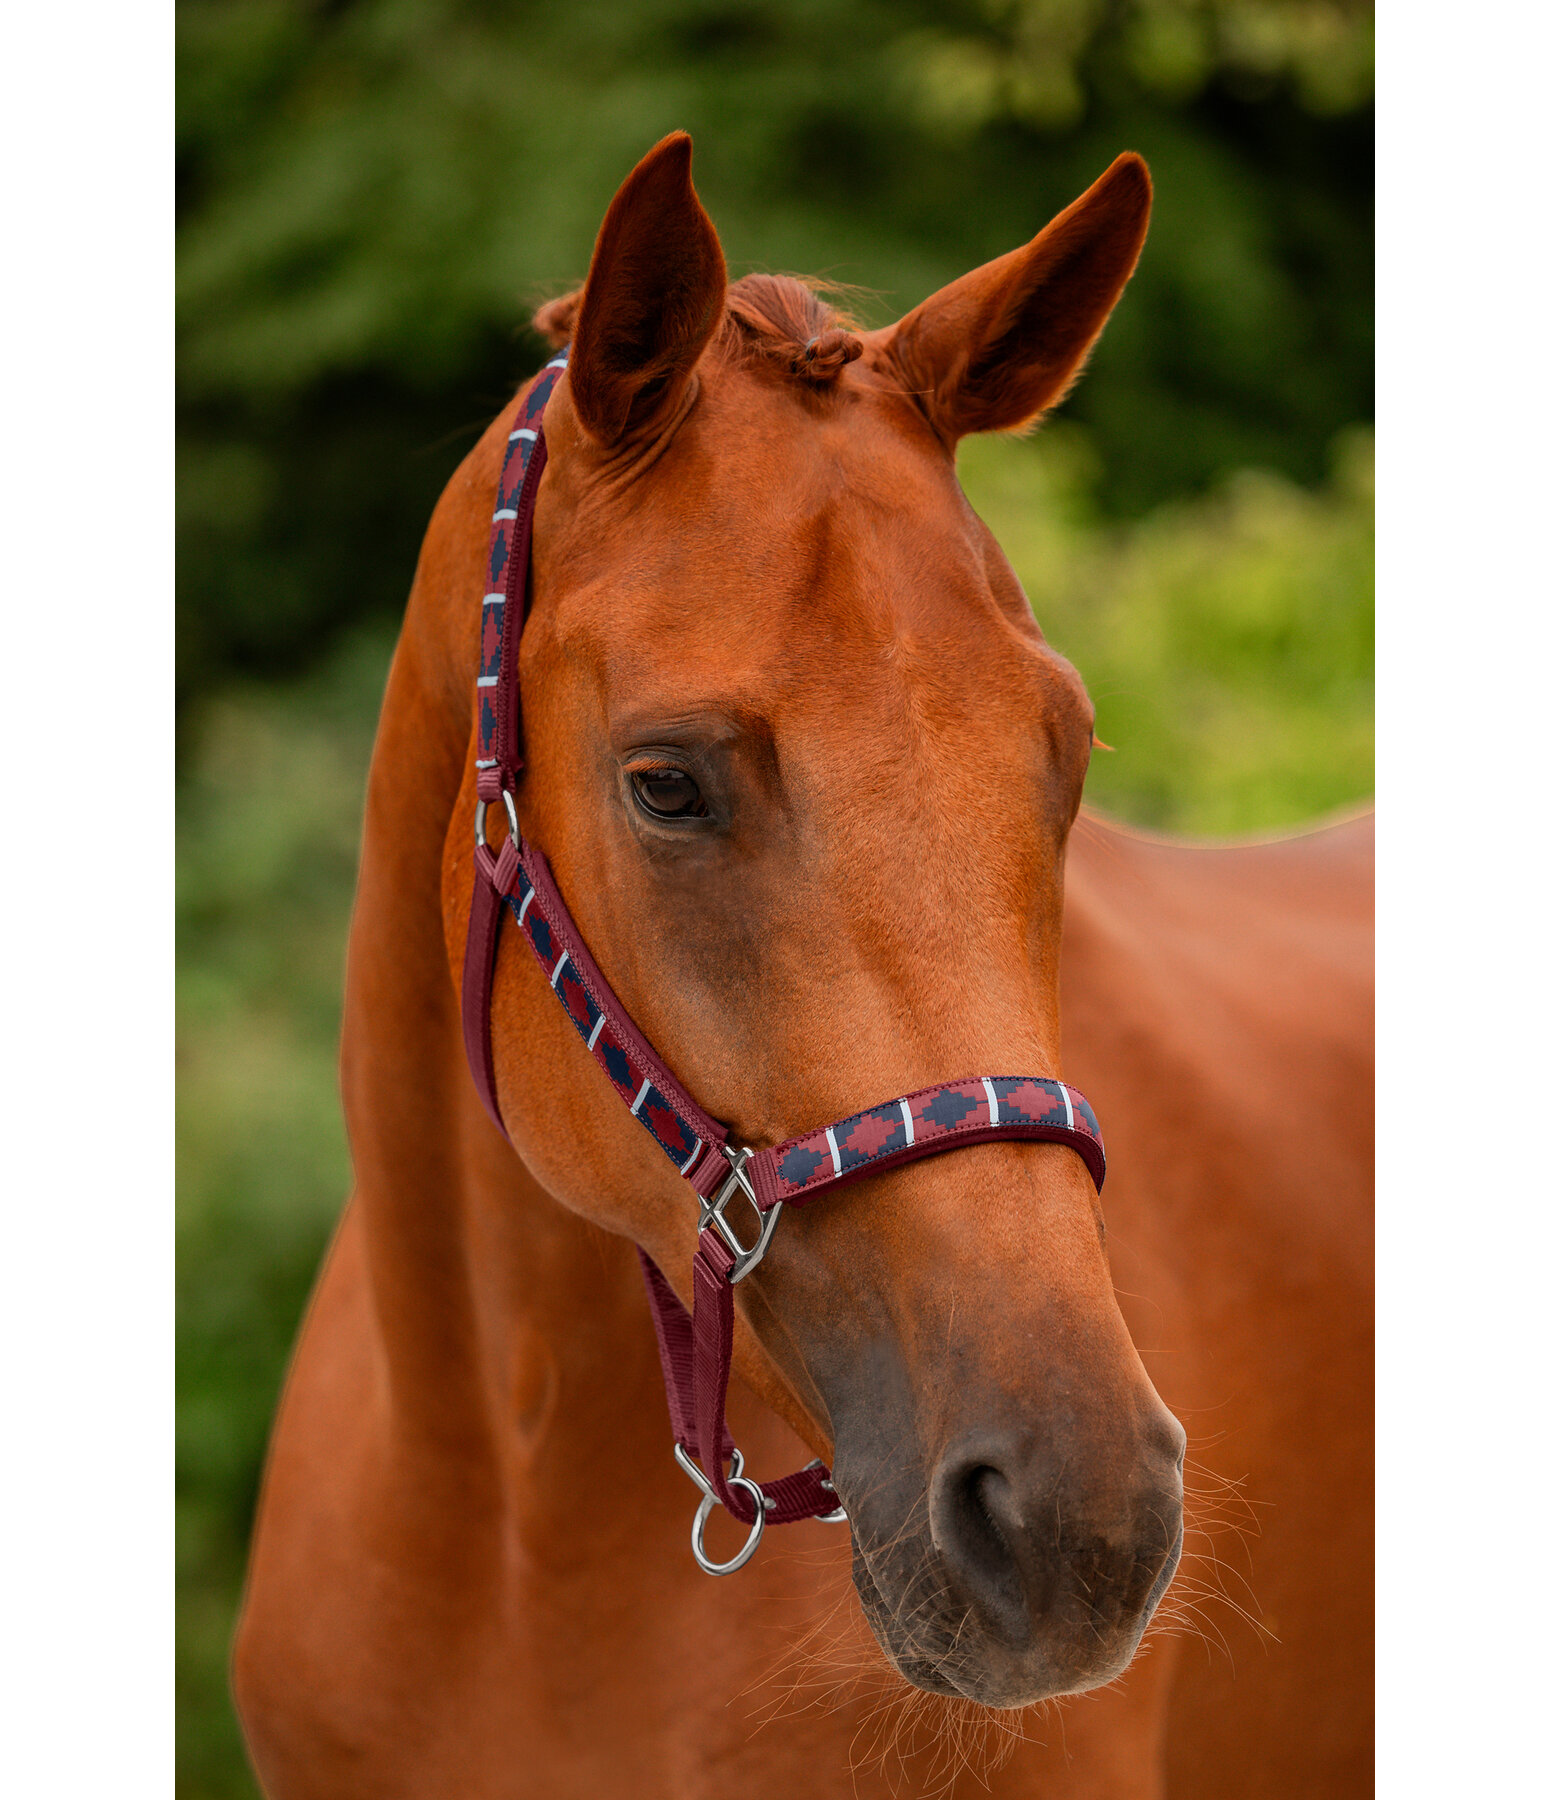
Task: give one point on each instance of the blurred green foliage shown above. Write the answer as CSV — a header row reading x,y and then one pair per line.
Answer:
x,y
372,195
1227,642
268,823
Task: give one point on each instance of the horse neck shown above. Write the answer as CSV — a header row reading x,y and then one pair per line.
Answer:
x,y
513,1335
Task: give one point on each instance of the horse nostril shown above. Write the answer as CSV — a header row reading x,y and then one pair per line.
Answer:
x,y
1062,1549
975,1525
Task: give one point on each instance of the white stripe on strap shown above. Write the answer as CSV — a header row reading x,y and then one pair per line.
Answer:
x,y
694,1156
635,1104
486,681
554,979
495,599
909,1123
527,901
506,512
990,1095
597,1029
558,362
834,1149
1066,1096
523,431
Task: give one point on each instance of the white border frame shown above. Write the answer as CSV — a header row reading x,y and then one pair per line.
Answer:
x,y
86,1327
1462,911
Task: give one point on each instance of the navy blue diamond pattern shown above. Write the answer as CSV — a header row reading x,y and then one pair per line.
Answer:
x,y
800,1166
949,1109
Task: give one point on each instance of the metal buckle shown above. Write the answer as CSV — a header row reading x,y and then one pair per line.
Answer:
x,y
703,1511
481,812
713,1212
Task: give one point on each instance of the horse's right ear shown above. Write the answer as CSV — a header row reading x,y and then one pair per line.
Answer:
x,y
653,297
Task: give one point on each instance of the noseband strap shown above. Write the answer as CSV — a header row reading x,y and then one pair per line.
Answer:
x,y
696,1349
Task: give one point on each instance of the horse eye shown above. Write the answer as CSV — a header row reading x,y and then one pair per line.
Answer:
x,y
668,794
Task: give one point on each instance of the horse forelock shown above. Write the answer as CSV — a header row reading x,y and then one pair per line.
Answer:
x,y
787,320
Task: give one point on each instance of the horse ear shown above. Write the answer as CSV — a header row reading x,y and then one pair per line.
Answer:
x,y
653,297
998,346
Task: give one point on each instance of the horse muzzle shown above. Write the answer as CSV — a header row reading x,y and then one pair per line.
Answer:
x,y
1023,1566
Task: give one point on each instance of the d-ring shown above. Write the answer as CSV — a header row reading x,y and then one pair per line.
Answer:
x,y
481,811
697,1529
838,1516
745,1257
756,1531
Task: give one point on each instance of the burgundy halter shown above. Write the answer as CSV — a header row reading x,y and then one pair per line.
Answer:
x,y
696,1351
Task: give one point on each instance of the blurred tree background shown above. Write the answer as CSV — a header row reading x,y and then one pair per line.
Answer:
x,y
373,195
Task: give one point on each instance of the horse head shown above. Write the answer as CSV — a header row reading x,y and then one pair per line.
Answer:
x,y
805,769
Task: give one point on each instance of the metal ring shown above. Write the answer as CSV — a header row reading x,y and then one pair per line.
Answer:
x,y
755,1532
745,1258
481,812
687,1463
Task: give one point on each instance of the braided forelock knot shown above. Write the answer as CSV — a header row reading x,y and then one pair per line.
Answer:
x,y
823,355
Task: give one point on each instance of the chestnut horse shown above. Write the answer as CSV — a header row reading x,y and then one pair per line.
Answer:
x,y
808,776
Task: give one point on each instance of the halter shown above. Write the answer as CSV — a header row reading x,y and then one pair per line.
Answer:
x,y
696,1349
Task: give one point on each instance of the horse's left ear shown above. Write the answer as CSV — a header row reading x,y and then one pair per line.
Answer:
x,y
995,348
654,295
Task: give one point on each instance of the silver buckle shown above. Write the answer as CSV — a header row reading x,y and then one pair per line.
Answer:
x,y
481,812
703,1511
746,1257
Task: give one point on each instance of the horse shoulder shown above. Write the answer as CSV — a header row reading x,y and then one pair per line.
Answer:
x,y
1217,1008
